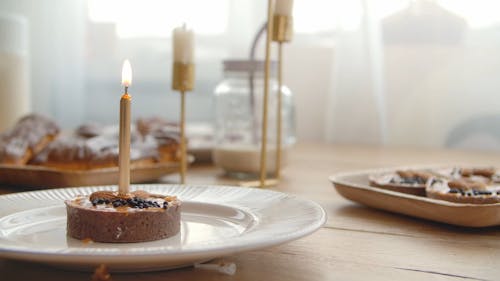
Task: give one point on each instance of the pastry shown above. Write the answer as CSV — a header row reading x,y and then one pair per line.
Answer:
x,y
482,174
406,181
166,134
35,141
106,216
168,140
72,152
464,191
89,130
148,125
28,137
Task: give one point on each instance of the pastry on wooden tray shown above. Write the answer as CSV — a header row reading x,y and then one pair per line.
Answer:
x,y
73,152
94,147
107,216
406,181
464,190
29,136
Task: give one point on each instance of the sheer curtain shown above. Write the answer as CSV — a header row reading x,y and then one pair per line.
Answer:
x,y
419,73
56,55
388,72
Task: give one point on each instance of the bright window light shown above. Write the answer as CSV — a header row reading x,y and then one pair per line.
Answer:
x,y
313,16
156,18
477,13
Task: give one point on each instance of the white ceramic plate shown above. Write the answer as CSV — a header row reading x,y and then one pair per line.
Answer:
x,y
216,221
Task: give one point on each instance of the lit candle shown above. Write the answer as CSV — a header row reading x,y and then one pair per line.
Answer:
x,y
124,142
283,8
183,43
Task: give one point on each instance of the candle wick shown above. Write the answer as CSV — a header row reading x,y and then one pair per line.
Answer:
x,y
126,89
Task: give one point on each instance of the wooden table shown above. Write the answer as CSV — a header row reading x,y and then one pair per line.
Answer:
x,y
357,243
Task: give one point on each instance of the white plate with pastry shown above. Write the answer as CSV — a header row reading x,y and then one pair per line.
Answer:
x,y
216,221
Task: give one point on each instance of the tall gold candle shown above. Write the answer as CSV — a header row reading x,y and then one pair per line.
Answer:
x,y
124,141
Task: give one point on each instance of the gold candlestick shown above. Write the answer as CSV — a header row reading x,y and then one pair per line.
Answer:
x,y
124,138
282,32
278,113
183,81
263,156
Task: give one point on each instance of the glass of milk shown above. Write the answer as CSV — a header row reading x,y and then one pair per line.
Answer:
x,y
238,120
14,75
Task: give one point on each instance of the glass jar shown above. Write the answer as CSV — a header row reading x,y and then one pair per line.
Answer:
x,y
238,119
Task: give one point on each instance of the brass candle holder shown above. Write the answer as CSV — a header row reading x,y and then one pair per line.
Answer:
x,y
267,70
183,81
282,28
282,32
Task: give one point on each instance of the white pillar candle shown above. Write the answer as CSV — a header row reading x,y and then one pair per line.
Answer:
x,y
283,8
183,43
14,76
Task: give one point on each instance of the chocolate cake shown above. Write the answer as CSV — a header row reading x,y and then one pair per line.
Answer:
x,y
107,216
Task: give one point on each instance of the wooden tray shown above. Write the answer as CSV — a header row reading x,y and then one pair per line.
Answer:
x,y
355,187
43,177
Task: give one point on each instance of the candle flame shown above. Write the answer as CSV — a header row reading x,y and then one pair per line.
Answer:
x,y
126,74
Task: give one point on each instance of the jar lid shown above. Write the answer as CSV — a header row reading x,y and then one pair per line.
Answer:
x,y
248,65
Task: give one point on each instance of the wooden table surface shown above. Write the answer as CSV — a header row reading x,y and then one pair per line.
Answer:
x,y
356,243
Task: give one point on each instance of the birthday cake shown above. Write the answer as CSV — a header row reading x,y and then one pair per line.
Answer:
x,y
107,216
